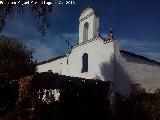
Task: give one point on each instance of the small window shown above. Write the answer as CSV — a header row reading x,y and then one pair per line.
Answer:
x,y
50,71
84,63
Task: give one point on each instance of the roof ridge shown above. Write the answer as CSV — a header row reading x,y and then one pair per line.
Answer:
x,y
139,56
52,59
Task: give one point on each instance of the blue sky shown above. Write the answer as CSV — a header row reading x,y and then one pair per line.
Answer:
x,y
136,24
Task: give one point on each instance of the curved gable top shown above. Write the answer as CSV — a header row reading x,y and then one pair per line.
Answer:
x,y
87,12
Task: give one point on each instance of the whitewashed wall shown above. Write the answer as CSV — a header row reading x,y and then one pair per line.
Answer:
x,y
58,66
131,70
127,70
100,61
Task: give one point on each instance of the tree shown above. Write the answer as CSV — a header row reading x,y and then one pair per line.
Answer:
x,y
39,8
141,106
16,61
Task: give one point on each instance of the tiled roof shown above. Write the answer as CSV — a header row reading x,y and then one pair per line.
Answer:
x,y
52,59
123,52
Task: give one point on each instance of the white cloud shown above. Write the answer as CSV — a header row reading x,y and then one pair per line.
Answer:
x,y
138,45
146,48
152,55
42,50
52,46
132,42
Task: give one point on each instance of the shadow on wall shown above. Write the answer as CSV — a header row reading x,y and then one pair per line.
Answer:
x,y
116,72
107,69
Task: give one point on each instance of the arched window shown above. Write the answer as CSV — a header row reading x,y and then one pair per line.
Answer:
x,y
85,31
84,63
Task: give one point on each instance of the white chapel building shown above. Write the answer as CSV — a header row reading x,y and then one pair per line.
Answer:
x,y
95,57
